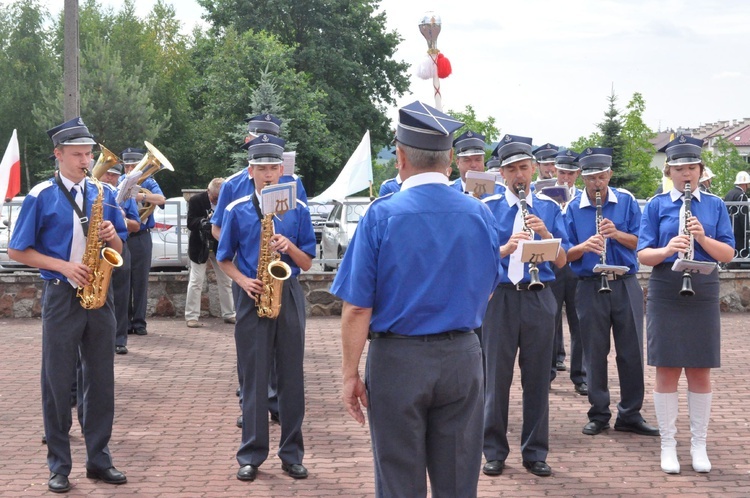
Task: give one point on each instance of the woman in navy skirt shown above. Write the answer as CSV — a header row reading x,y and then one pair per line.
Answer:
x,y
683,331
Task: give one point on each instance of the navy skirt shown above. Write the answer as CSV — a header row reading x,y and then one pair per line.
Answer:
x,y
683,331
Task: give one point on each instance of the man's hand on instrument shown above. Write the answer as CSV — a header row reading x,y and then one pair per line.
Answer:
x,y
512,244
537,225
107,231
279,243
679,243
594,244
252,286
355,397
78,273
696,229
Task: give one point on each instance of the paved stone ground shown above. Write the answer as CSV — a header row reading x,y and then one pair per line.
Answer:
x,y
174,432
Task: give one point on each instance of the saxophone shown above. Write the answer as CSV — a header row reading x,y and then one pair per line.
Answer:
x,y
271,271
100,259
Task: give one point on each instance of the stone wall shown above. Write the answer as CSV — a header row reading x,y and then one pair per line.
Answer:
x,y
20,293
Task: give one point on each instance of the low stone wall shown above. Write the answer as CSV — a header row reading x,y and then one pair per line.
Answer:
x,y
20,293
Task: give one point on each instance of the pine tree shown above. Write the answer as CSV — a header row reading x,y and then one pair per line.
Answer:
x,y
610,130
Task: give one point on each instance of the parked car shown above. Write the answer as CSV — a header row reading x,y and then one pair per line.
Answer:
x,y
319,215
8,217
170,236
339,229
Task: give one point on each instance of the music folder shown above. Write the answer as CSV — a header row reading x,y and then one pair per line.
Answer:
x,y
692,266
558,193
611,269
480,183
279,198
539,251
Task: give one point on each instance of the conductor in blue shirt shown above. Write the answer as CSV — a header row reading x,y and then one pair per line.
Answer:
x,y
520,317
424,364
51,234
620,310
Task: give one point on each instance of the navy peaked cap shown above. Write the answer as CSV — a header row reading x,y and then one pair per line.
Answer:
x,y
595,160
683,150
513,148
263,123
424,127
266,149
469,144
72,132
132,155
567,160
546,153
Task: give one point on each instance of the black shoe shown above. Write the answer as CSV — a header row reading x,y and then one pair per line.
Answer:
x,y
247,473
582,388
560,366
238,392
58,483
540,469
594,427
121,350
110,475
239,421
295,470
641,428
44,439
140,332
493,467
275,418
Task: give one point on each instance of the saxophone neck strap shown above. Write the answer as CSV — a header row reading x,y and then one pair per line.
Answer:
x,y
256,204
81,213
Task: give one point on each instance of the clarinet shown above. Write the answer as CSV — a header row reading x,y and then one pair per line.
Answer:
x,y
687,279
535,283
604,284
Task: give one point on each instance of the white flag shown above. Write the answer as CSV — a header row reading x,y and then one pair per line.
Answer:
x,y
10,170
355,177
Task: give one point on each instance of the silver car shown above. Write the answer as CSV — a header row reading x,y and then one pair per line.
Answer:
x,y
339,229
170,236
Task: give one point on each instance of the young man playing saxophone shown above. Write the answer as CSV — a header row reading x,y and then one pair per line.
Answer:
x,y
259,340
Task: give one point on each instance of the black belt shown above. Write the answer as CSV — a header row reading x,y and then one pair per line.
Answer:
x,y
520,287
139,232
450,335
609,277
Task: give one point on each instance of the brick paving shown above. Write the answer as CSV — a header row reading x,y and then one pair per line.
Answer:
x,y
174,432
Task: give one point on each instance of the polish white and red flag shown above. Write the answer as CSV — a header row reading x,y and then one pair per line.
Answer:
x,y
10,170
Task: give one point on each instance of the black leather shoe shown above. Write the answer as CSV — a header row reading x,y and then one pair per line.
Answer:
x,y
44,439
295,470
238,392
560,366
493,467
110,475
641,428
594,427
239,421
582,388
58,483
540,469
247,473
140,332
121,350
275,418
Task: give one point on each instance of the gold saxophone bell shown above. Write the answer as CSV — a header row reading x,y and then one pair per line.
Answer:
x,y
106,160
153,162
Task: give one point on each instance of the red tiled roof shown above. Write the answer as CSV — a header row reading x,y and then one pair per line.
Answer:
x,y
740,138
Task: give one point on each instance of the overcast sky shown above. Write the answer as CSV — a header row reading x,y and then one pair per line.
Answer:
x,y
544,68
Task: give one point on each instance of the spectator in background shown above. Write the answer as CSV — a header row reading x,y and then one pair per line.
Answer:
x,y
739,213
706,178
201,248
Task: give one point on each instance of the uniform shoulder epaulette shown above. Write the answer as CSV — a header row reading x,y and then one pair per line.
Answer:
x,y
302,203
544,197
34,192
710,193
241,200
230,177
388,181
493,197
625,191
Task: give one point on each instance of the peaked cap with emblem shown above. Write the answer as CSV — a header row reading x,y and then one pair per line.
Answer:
x,y
132,155
513,148
266,149
683,150
72,132
493,162
545,153
595,160
567,160
424,127
263,123
469,144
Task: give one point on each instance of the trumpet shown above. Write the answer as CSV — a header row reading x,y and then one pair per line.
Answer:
x,y
534,283
687,279
604,284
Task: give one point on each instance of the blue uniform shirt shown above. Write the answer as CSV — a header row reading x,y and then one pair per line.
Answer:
x,y
241,185
620,208
45,222
661,221
390,186
241,235
544,208
410,292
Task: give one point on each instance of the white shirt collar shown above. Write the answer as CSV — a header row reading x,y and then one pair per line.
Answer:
x,y
69,183
398,179
676,194
585,202
512,198
424,179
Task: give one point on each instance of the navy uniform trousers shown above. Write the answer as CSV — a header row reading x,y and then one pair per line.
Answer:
x,y
564,289
522,322
621,311
259,342
121,289
67,328
425,396
140,246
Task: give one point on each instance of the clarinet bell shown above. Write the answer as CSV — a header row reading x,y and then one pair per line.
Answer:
x,y
535,284
604,285
687,285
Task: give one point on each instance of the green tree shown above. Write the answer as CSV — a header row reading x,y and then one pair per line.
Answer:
x,y
469,118
582,143
610,130
725,163
637,151
344,48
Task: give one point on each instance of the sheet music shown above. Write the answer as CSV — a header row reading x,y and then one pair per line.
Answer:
x,y
125,186
278,198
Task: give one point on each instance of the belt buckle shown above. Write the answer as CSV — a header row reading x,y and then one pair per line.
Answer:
x,y
518,287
